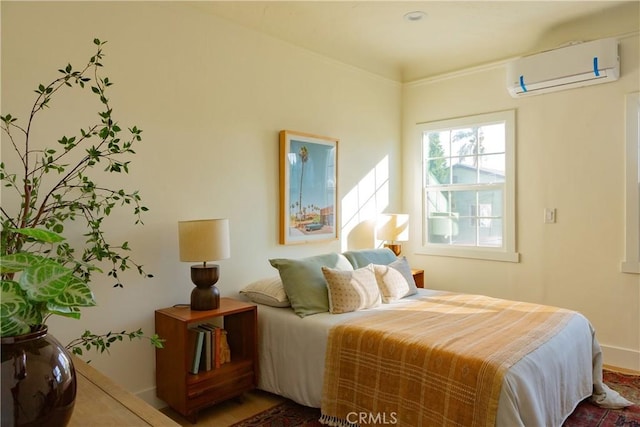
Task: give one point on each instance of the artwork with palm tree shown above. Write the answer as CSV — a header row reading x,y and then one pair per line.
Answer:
x,y
308,182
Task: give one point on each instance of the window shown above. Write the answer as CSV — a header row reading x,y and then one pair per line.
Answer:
x,y
632,214
468,173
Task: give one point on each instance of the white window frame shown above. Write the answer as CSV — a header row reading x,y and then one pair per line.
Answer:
x,y
631,264
508,250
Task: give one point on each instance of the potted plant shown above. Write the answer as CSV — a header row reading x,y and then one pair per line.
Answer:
x,y
43,274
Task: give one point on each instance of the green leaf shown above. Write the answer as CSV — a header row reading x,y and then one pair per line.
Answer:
x,y
157,341
12,299
62,310
76,294
93,152
12,326
39,234
20,261
17,315
45,280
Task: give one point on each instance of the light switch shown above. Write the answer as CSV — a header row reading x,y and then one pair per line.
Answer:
x,y
549,215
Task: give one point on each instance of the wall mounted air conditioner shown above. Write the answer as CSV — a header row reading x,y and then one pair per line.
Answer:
x,y
567,67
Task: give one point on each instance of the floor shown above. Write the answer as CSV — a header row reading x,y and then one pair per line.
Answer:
x,y
230,412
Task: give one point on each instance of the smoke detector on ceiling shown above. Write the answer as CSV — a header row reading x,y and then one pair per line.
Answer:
x,y
416,15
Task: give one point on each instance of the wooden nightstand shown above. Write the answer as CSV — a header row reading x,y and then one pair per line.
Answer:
x,y
187,393
418,276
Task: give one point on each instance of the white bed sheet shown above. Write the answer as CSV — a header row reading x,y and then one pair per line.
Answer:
x,y
542,389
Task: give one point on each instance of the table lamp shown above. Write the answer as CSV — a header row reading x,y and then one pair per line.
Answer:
x,y
201,241
393,228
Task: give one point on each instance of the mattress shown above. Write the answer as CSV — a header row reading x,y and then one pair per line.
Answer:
x,y
541,389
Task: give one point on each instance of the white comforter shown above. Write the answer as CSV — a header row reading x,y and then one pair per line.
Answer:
x,y
542,389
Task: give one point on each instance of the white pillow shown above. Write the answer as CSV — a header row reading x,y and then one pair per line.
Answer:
x,y
351,290
268,291
395,280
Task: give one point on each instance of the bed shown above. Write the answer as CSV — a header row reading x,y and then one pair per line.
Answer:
x,y
541,388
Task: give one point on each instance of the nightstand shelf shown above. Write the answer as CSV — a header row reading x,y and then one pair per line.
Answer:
x,y
187,393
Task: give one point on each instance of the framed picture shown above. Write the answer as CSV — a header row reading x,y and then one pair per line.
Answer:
x,y
308,184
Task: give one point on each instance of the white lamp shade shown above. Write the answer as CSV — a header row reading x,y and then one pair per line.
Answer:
x,y
394,227
204,240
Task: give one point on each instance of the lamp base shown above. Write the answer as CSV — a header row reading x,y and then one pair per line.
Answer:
x,y
205,296
396,248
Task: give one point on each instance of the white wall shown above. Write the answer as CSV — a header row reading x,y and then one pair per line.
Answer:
x,y
211,98
569,156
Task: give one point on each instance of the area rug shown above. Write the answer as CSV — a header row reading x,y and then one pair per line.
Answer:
x,y
290,414
588,415
286,414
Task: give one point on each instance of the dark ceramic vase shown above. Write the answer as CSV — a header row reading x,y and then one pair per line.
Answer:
x,y
38,380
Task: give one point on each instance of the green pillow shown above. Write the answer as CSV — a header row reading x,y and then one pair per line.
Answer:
x,y
304,282
364,257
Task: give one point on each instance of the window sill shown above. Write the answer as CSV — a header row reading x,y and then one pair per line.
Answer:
x,y
472,253
630,267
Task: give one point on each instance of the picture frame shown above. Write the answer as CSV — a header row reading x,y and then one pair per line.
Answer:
x,y
308,188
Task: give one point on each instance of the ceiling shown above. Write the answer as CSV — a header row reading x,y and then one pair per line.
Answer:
x,y
372,35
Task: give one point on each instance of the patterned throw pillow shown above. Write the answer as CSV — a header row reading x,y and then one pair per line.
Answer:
x,y
351,290
269,291
395,280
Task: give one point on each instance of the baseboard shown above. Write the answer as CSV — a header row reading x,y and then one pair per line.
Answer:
x,y
621,370
625,358
149,396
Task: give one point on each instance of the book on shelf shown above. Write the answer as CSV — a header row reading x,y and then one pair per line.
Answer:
x,y
217,348
206,358
217,333
214,332
225,351
196,341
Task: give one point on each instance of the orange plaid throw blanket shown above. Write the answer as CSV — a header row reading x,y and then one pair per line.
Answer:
x,y
439,361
